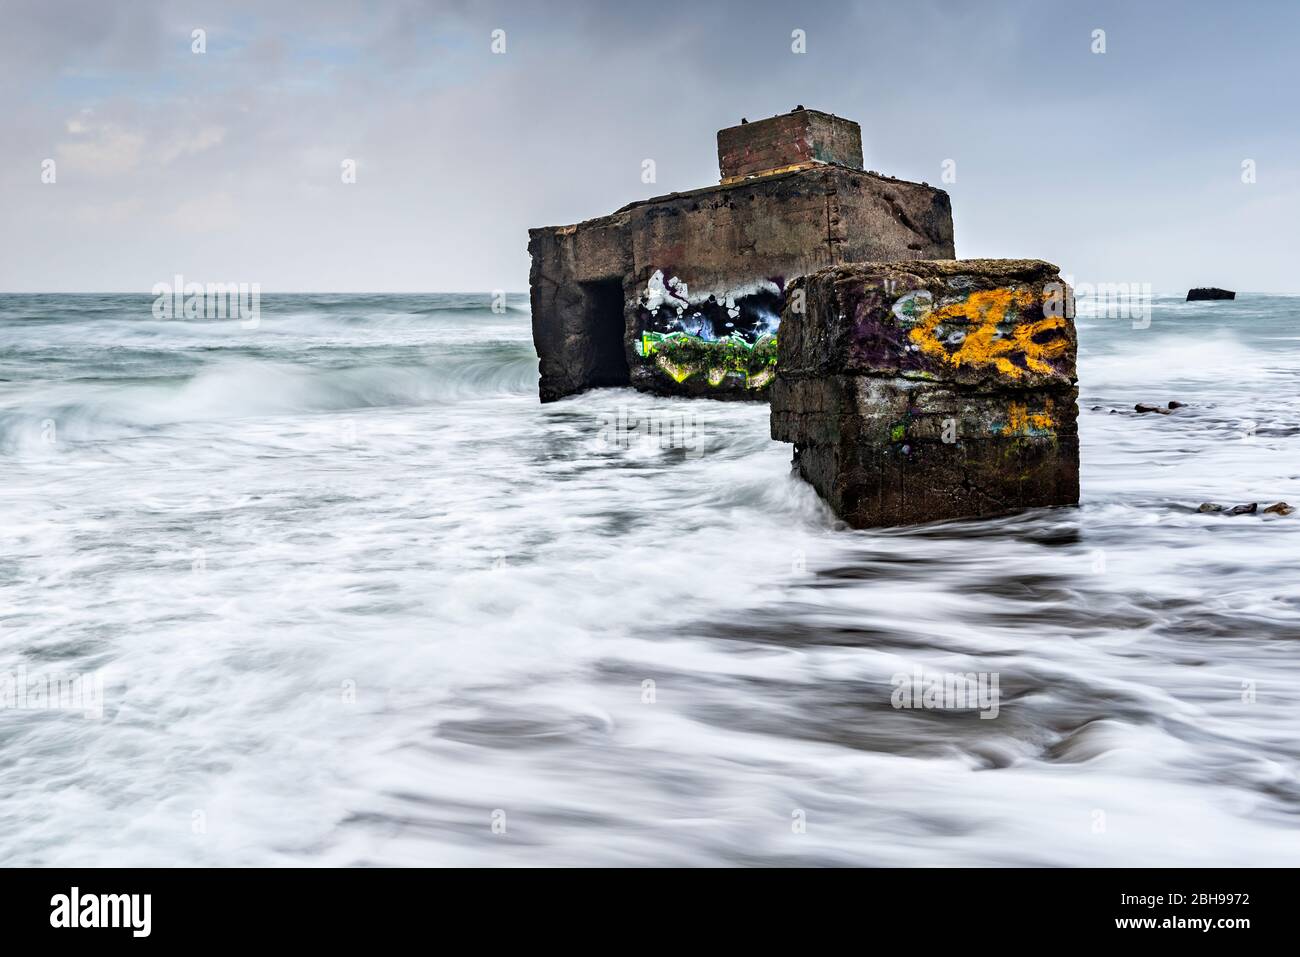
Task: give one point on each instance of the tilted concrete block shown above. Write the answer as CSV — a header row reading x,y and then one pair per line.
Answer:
x,y
921,391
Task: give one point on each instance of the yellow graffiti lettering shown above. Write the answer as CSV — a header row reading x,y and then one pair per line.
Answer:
x,y
1020,421
982,345
679,373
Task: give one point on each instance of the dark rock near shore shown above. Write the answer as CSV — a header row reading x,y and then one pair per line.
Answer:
x,y
1277,508
1143,407
919,391
1207,293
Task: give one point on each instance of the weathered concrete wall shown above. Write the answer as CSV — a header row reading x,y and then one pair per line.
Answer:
x,y
920,391
712,261
793,140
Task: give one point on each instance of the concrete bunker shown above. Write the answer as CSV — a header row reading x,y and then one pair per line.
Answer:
x,y
913,386
702,275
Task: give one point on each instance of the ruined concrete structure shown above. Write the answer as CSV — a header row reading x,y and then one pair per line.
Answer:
x,y
914,386
682,294
929,390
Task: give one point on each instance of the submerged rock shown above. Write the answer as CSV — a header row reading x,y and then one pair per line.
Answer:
x,y
1204,293
1145,407
1277,508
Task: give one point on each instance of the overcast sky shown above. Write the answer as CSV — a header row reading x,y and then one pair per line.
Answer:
x,y
1122,166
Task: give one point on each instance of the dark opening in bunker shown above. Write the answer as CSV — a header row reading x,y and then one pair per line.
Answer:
x,y
605,328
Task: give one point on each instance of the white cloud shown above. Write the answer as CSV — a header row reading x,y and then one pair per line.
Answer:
x,y
100,149
108,214
190,143
104,148
215,212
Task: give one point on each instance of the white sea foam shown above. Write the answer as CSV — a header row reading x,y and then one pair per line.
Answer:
x,y
350,594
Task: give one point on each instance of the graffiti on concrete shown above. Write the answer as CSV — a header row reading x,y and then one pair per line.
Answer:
x,y
681,355
725,337
1022,422
999,328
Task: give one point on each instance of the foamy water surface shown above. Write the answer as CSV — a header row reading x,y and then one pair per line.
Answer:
x,y
356,597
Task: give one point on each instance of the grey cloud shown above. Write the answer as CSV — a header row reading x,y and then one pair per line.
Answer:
x,y
1122,167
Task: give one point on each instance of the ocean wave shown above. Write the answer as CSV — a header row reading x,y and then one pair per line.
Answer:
x,y
92,409
1148,360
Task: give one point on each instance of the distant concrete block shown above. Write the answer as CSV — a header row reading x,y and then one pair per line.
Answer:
x,y
1209,293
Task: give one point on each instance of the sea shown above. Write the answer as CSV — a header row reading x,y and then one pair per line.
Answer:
x,y
334,589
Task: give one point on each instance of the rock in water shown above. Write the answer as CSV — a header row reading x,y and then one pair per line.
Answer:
x,y
1204,293
1277,508
1143,407
925,390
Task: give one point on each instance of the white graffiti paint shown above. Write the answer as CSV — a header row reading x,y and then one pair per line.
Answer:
x,y
674,292
660,292
913,306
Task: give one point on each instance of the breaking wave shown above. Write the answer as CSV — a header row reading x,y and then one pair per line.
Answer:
x,y
123,372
